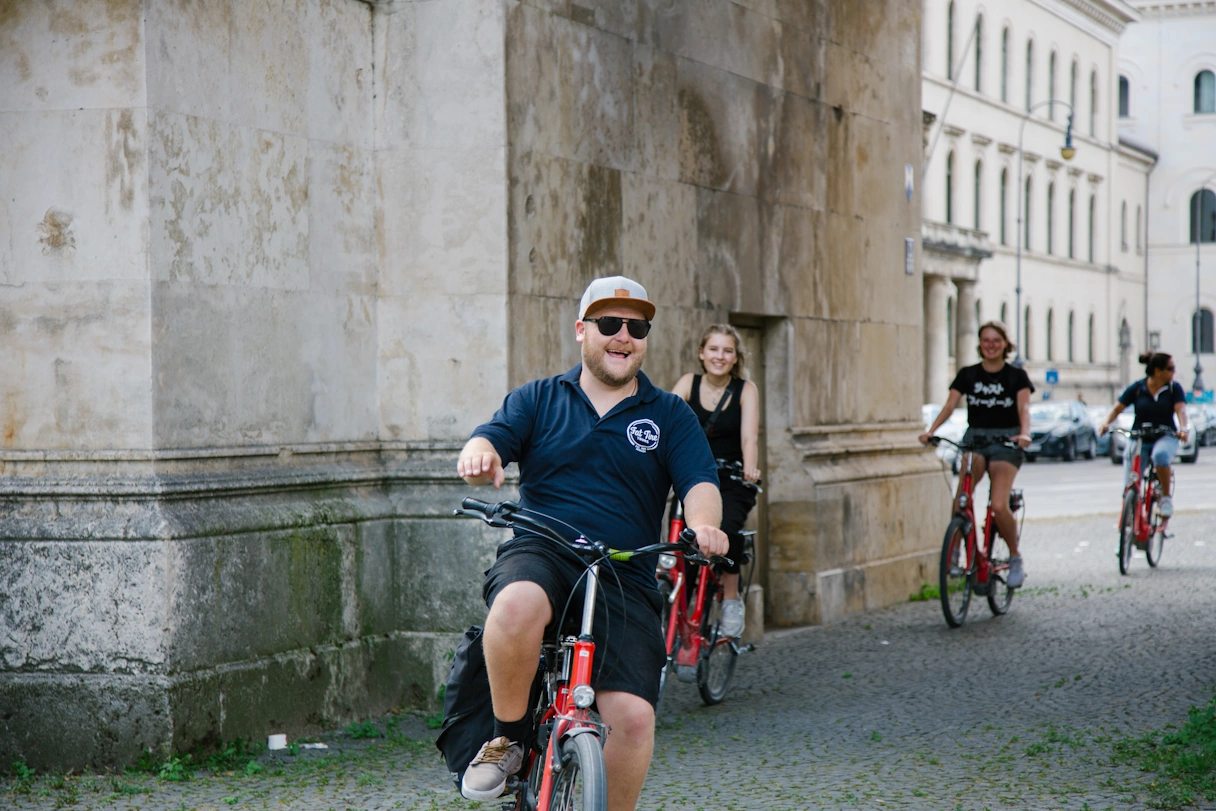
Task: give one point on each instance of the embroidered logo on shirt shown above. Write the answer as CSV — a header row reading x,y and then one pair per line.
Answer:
x,y
643,435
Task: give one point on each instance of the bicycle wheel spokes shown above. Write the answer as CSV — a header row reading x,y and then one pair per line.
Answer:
x,y
581,785
954,582
1127,531
1000,595
716,669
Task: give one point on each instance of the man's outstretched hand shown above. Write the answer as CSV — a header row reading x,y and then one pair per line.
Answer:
x,y
480,464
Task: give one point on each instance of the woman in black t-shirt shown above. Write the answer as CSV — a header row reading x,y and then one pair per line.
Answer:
x,y
1158,402
734,436
998,407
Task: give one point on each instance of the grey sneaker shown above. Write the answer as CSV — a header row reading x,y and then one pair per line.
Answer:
x,y
487,774
1016,576
732,618
1165,506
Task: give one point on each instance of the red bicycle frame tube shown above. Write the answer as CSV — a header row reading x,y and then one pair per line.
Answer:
x,y
690,640
976,553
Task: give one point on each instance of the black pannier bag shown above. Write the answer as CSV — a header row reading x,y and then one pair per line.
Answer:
x,y
468,716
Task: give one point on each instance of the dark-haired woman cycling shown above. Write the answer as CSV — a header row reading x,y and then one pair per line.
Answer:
x,y
1158,400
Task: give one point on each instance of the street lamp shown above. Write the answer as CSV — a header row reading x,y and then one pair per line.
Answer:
x,y
1066,152
1197,318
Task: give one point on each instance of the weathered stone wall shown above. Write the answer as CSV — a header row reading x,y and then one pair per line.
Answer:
x,y
263,266
744,160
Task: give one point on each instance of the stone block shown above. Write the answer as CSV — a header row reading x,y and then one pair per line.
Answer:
x,y
722,117
339,100
796,263
189,58
442,564
797,166
85,607
565,225
229,204
618,17
441,392
726,36
443,76
75,201
542,339
729,262
268,65
72,55
571,89
802,54
342,244
656,113
311,379
444,226
659,240
71,350
792,599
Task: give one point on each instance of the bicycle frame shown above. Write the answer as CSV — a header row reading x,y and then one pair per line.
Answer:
x,y
978,563
681,624
1143,526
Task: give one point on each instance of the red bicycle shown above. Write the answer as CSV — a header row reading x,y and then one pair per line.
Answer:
x,y
696,649
1141,525
564,765
967,565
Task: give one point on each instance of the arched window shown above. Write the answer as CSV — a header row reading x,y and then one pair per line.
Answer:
x,y
1203,216
1026,219
1091,229
979,52
1205,92
1138,229
1201,332
1071,326
1051,318
1051,215
1004,203
1026,332
1093,103
950,188
1125,92
950,41
1072,86
1072,223
977,191
1051,85
1004,312
1029,73
1090,339
1123,226
1005,65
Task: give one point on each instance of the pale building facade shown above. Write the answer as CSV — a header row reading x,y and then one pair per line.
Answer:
x,y
1081,310
1167,74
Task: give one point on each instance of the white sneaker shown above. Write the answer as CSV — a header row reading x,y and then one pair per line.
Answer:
x,y
1016,576
732,618
1165,506
486,776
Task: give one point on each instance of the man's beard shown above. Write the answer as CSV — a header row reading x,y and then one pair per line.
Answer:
x,y
594,361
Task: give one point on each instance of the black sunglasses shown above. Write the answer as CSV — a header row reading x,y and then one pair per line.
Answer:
x,y
1170,368
639,328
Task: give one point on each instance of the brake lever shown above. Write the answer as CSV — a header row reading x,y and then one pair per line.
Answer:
x,y
498,522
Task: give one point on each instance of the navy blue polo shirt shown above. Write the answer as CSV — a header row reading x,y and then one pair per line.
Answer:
x,y
1152,410
608,476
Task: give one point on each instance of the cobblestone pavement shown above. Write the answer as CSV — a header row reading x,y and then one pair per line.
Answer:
x,y
890,709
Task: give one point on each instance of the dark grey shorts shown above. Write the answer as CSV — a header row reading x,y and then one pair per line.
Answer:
x,y
995,453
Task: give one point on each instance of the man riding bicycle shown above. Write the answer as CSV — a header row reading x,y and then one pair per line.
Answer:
x,y
1157,399
598,447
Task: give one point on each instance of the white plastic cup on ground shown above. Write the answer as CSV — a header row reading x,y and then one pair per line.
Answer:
x,y
276,742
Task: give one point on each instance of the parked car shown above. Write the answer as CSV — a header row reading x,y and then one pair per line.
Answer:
x,y
1188,451
1201,423
1097,413
953,429
1209,411
1061,429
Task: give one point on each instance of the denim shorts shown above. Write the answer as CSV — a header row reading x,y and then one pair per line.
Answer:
x,y
995,453
1162,452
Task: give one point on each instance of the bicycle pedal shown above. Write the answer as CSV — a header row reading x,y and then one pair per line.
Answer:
x,y
686,673
746,648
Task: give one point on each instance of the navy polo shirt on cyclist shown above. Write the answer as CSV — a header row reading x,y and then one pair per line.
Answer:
x,y
1152,410
608,476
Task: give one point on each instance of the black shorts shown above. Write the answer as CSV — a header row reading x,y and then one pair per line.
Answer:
x,y
996,453
630,650
737,501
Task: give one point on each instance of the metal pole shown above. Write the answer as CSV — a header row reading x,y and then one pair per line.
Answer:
x,y
1018,360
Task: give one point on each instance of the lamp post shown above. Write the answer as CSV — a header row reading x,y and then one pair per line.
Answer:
x,y
1197,318
1066,152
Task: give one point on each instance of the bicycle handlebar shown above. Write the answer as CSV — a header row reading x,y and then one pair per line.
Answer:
x,y
735,471
1139,433
509,514
1007,442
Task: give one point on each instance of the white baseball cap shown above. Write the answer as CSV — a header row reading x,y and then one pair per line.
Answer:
x,y
615,291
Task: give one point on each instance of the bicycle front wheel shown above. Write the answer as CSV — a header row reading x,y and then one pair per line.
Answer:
x,y
582,784
954,576
716,668
1153,550
669,666
1000,595
1127,531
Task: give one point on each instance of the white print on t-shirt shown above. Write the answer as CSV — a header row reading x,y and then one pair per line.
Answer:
x,y
992,401
643,435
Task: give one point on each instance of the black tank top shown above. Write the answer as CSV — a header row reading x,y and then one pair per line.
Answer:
x,y
726,440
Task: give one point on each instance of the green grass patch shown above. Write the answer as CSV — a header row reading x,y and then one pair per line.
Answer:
x,y
927,592
1184,761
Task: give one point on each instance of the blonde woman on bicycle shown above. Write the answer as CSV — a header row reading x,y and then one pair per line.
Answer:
x,y
998,407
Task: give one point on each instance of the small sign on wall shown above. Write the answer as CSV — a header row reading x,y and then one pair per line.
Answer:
x,y
909,256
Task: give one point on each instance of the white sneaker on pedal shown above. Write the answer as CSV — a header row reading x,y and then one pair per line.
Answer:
x,y
1016,576
1165,506
732,618
486,776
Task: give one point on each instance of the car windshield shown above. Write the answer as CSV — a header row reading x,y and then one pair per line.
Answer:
x,y
1049,412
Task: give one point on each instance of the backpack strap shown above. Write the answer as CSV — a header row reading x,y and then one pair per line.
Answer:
x,y
732,390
